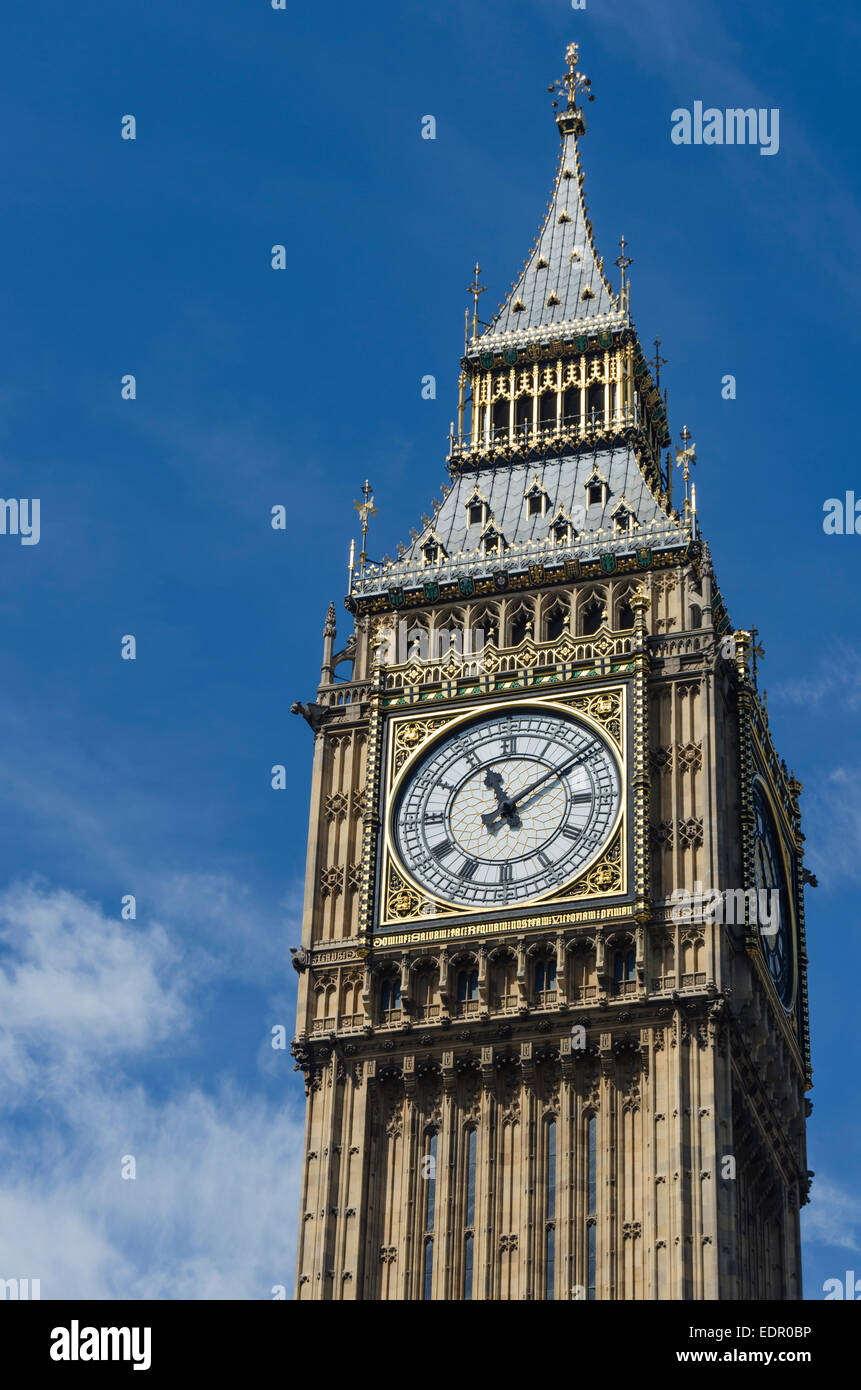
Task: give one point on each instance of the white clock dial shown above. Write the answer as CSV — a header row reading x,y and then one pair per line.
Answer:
x,y
507,808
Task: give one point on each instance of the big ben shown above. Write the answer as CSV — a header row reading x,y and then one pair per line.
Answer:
x,y
552,994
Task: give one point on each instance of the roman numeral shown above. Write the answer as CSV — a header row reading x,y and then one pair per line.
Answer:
x,y
581,798
570,832
509,745
468,870
467,752
434,818
543,860
505,873
441,850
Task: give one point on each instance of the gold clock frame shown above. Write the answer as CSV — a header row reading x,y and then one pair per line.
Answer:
x,y
604,708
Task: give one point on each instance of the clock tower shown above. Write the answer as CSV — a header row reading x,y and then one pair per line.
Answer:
x,y
552,993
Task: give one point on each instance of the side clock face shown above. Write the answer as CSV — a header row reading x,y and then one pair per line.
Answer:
x,y
507,808
770,875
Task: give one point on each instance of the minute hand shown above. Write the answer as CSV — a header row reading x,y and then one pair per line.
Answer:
x,y
554,772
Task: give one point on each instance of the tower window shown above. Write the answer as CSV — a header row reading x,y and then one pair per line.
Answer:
x,y
626,616
545,976
390,995
592,617
596,491
536,498
467,986
557,622
476,509
623,971
571,406
523,413
521,626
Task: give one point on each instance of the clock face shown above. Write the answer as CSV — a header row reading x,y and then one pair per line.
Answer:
x,y
770,875
507,808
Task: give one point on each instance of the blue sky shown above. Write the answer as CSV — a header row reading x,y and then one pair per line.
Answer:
x,y
257,387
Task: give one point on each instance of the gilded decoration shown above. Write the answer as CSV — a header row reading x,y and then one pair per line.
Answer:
x,y
404,901
410,736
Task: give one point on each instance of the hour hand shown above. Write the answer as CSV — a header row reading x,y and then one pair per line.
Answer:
x,y
505,807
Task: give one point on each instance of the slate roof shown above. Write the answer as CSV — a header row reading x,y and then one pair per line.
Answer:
x,y
528,538
565,244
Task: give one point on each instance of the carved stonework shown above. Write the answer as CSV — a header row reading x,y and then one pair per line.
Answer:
x,y
691,832
332,881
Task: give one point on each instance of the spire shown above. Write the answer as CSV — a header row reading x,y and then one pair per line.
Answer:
x,y
563,281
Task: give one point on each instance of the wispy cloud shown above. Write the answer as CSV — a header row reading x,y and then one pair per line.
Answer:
x,y
837,679
88,1009
833,1216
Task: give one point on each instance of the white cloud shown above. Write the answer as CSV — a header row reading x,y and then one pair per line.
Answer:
x,y
833,1216
86,1004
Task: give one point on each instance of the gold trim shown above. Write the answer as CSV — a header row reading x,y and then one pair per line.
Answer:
x,y
604,709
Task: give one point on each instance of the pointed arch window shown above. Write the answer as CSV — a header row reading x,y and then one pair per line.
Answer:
x,y
595,403
597,490
561,530
433,549
626,616
592,616
521,625
476,509
571,407
492,541
623,518
556,622
523,416
536,498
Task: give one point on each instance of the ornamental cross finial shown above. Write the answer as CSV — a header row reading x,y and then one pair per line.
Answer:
x,y
623,261
475,289
365,509
685,458
570,87
658,362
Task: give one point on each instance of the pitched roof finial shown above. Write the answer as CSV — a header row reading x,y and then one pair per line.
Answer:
x,y
365,509
685,457
475,289
658,362
623,261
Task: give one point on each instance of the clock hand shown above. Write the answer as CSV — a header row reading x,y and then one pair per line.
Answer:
x,y
507,807
494,782
554,772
